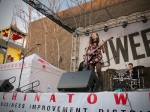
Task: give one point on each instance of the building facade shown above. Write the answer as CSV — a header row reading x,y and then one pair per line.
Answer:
x,y
56,43
11,44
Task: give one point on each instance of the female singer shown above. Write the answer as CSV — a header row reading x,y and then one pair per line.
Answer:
x,y
95,59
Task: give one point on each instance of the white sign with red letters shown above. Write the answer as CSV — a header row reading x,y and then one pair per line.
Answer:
x,y
75,102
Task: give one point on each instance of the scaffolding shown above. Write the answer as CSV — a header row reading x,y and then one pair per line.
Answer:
x,y
74,53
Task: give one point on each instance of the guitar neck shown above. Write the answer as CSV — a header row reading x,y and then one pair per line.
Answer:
x,y
97,48
101,45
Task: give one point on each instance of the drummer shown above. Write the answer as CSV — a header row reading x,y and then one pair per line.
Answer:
x,y
132,72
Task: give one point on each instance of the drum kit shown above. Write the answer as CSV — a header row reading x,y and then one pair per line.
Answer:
x,y
123,81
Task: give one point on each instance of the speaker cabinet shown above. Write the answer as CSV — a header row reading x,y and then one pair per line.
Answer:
x,y
81,81
5,86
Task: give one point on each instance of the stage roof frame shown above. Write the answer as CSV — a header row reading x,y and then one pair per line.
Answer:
x,y
91,13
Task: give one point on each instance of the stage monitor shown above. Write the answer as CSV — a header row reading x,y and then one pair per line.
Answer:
x,y
5,86
81,81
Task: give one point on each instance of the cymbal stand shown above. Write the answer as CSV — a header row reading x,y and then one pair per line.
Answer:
x,y
110,80
139,78
143,79
131,85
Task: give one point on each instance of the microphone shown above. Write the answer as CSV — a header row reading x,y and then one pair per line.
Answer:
x,y
38,44
23,58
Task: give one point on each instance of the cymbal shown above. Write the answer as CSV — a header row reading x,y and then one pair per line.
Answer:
x,y
143,74
138,67
111,71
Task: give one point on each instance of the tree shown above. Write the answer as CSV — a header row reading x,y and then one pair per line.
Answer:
x,y
50,34
26,18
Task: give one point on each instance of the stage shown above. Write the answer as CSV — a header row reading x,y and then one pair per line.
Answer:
x,y
76,102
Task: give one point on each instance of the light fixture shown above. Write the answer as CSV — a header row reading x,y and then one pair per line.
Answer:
x,y
31,1
144,19
87,33
106,28
124,24
76,33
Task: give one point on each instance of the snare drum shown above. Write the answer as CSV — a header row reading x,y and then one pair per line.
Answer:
x,y
118,76
126,77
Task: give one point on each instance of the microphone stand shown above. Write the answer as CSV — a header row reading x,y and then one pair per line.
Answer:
x,y
86,68
18,89
108,71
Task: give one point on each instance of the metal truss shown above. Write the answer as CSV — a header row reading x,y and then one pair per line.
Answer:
x,y
49,13
74,53
136,17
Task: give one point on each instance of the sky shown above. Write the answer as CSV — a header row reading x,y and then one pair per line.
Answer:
x,y
6,12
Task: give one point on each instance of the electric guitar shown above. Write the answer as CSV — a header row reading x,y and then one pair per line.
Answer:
x,y
89,57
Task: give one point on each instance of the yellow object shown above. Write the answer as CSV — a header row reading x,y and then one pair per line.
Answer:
x,y
11,42
1,58
14,52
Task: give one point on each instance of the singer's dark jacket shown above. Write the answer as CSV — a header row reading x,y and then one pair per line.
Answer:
x,y
134,74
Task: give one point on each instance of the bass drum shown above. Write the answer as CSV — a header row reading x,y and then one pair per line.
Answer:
x,y
120,85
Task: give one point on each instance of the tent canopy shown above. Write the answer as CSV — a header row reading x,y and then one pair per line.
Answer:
x,y
35,68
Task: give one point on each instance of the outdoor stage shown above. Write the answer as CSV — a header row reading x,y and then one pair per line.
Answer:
x,y
75,102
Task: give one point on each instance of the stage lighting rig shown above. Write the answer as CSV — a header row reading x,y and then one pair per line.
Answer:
x,y
124,24
144,19
87,33
106,28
